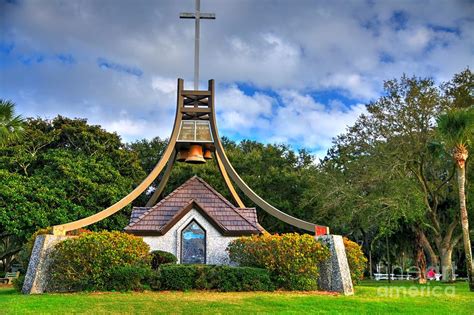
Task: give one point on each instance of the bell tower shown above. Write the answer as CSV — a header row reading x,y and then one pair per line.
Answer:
x,y
194,139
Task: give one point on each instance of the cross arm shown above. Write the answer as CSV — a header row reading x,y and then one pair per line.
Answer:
x,y
207,16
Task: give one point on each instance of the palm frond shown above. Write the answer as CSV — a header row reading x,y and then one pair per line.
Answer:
x,y
456,126
11,126
7,109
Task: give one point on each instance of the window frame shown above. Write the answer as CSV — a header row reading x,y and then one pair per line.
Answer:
x,y
182,243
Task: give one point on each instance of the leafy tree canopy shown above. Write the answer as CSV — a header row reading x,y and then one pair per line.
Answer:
x,y
63,170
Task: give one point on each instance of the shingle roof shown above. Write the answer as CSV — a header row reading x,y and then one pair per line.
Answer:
x,y
194,194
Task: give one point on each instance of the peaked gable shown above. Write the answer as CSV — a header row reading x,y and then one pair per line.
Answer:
x,y
195,193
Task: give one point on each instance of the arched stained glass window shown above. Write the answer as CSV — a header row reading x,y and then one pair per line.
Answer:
x,y
193,244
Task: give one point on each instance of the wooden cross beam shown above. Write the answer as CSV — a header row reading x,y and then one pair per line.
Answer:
x,y
197,15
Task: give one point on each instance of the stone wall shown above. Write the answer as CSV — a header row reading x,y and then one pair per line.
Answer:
x,y
216,243
334,274
37,276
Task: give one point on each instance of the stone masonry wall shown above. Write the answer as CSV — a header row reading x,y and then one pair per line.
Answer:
x,y
37,277
334,274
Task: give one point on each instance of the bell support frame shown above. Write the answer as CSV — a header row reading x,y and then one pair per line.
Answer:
x,y
193,105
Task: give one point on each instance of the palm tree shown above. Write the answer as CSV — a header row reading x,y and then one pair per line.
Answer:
x,y
456,127
11,126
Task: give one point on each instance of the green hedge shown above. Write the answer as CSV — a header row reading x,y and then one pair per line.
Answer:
x,y
128,278
159,257
356,259
292,259
208,277
90,261
179,277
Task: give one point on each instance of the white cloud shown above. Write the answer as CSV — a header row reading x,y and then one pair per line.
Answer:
x,y
283,49
241,113
303,120
294,118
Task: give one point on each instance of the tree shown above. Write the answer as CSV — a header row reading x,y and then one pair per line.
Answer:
x,y
63,171
456,128
388,166
11,126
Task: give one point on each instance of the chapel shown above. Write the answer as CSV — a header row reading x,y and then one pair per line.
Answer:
x,y
194,222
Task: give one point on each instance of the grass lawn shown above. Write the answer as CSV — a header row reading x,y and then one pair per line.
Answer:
x,y
371,297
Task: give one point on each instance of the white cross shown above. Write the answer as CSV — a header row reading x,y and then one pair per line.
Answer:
x,y
197,16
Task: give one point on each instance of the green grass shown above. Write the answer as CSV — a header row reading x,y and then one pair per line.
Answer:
x,y
371,297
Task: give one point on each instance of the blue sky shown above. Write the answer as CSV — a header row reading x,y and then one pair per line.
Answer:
x,y
296,72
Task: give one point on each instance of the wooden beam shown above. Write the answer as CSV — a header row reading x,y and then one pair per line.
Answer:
x,y
231,188
193,98
195,110
164,180
191,93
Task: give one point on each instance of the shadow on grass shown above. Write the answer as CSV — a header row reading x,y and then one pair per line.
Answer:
x,y
8,290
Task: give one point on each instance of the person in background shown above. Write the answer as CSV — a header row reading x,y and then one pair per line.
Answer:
x,y
431,274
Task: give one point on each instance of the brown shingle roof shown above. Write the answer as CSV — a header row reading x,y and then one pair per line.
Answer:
x,y
194,194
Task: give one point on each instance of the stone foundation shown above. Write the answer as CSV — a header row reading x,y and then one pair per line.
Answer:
x,y
37,277
334,274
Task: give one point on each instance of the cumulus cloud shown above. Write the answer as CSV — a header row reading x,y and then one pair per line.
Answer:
x,y
288,117
237,111
116,62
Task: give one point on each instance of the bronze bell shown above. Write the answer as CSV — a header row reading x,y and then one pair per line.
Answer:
x,y
195,154
207,154
182,155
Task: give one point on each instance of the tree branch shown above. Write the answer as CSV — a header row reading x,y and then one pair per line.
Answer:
x,y
10,253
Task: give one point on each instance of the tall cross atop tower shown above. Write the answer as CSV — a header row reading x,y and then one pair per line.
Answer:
x,y
197,16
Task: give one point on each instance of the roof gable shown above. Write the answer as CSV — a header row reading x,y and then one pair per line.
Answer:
x,y
194,193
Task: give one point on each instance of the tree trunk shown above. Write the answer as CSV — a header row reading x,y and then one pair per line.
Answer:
x,y
433,258
389,266
447,264
420,259
370,264
465,226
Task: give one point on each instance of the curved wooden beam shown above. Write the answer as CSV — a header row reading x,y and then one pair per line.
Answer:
x,y
170,149
164,180
246,189
228,182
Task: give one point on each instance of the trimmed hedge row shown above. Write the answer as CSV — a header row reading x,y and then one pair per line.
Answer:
x,y
292,259
122,262
116,261
209,277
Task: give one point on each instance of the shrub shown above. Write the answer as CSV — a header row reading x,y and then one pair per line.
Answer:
x,y
18,282
78,232
25,253
221,278
292,259
87,261
356,259
225,278
179,277
128,278
153,281
159,257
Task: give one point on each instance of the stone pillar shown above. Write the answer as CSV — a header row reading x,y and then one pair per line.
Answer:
x,y
334,274
37,277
